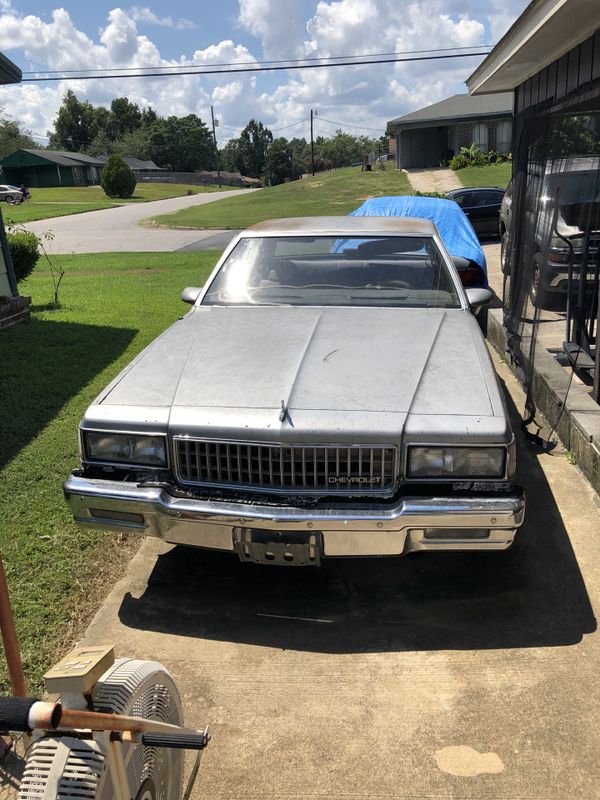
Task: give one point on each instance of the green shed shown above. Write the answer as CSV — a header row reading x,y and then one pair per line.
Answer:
x,y
40,168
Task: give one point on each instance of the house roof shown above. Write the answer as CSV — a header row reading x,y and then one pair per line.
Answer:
x,y
545,31
457,107
134,163
9,72
62,157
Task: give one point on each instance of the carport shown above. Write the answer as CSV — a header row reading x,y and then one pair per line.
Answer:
x,y
550,58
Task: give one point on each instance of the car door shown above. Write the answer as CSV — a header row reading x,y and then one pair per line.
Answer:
x,y
484,211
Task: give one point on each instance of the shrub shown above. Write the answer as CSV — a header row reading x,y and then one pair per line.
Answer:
x,y
24,252
473,157
441,195
117,178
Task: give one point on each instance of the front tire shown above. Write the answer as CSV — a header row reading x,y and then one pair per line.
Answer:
x,y
538,292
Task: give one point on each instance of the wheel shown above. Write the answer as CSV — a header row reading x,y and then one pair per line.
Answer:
x,y
10,199
537,284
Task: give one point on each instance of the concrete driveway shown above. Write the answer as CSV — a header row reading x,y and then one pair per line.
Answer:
x,y
118,229
466,676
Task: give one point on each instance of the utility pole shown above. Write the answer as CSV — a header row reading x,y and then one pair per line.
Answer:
x,y
212,116
312,144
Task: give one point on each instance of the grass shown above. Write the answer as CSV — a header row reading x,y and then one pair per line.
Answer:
x,y
490,175
60,201
326,194
52,367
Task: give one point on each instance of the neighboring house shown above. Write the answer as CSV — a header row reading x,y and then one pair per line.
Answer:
x,y
137,165
43,168
430,136
12,307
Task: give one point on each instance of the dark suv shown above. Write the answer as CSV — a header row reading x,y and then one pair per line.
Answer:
x,y
557,223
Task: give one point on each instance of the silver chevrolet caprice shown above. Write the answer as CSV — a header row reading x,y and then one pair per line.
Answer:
x,y
329,394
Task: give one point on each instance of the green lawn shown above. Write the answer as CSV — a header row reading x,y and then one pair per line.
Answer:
x,y
58,202
52,367
491,175
326,194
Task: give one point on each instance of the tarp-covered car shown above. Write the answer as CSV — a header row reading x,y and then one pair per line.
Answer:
x,y
455,229
329,394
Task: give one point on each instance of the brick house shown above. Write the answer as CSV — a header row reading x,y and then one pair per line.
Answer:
x,y
430,136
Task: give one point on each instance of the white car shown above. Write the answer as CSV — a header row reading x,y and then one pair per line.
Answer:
x,y
10,194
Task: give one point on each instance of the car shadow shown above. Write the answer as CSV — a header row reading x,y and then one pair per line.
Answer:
x,y
43,364
531,595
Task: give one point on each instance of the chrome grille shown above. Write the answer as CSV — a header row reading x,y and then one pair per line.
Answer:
x,y
336,470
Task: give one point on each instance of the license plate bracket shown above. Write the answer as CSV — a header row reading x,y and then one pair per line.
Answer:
x,y
282,548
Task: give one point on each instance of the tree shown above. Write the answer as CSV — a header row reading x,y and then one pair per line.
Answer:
x,y
125,117
13,136
344,148
230,156
75,126
117,178
100,145
300,155
134,144
279,164
182,144
254,142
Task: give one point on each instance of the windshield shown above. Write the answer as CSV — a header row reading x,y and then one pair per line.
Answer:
x,y
328,271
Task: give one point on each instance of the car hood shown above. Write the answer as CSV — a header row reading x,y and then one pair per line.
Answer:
x,y
379,363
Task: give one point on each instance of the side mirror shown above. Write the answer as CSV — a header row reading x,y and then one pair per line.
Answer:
x,y
460,262
190,294
478,297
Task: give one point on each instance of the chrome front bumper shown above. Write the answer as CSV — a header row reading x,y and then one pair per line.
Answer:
x,y
371,530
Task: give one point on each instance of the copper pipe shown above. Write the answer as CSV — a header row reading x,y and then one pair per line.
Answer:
x,y
95,721
10,641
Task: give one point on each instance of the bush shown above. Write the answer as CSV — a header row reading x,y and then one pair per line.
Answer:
x,y
24,252
473,157
117,178
440,195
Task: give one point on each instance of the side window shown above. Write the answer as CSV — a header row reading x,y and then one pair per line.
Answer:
x,y
490,198
464,200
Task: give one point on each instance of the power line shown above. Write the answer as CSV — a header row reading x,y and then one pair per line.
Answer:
x,y
255,62
183,73
346,125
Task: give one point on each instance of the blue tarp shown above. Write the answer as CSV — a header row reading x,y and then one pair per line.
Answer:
x,y
455,229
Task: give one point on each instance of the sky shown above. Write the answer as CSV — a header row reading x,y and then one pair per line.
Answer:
x,y
39,35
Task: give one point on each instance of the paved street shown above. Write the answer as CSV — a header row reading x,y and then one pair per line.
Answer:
x,y
468,676
118,229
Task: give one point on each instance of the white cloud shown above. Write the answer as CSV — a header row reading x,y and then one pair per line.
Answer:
x,y
365,96
279,24
144,14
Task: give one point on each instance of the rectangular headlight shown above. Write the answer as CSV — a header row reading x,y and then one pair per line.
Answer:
x,y
125,448
456,462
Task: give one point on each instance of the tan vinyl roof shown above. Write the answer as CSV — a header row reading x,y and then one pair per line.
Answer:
x,y
353,226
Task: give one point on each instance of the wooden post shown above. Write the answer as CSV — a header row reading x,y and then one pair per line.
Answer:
x,y
312,144
212,116
10,641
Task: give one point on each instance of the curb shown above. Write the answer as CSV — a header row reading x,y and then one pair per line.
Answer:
x,y
577,419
